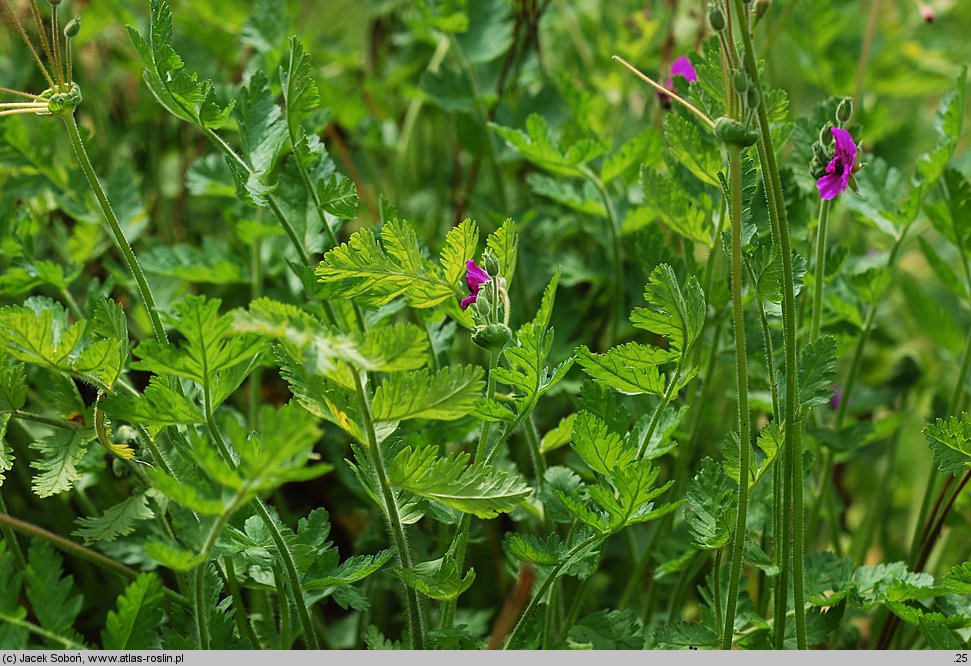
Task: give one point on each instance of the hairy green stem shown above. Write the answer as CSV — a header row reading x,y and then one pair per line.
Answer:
x,y
243,624
460,541
281,595
544,588
820,269
310,636
793,428
741,385
78,550
390,501
109,214
18,554
67,643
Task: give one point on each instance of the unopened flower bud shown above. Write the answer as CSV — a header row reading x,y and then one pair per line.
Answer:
x,y
53,3
753,97
72,29
844,110
817,168
490,262
926,12
826,135
820,151
492,337
735,133
741,81
716,18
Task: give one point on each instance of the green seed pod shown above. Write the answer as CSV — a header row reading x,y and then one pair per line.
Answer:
x,y
844,110
716,18
826,135
490,262
817,168
72,29
492,337
53,3
741,81
761,7
753,97
735,133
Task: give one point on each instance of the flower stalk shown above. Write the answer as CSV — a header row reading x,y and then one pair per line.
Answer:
x,y
792,427
741,385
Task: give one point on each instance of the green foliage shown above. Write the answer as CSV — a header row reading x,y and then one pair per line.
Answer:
x,y
817,370
950,442
604,451
181,93
58,458
375,274
135,625
437,579
207,356
538,145
630,368
710,506
116,521
311,329
448,394
477,489
52,598
39,333
677,314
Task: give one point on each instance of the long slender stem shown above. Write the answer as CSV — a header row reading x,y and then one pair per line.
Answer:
x,y
143,289
243,624
793,429
673,95
820,272
306,623
26,40
460,542
18,554
64,424
42,36
553,575
67,643
741,385
398,536
20,93
78,550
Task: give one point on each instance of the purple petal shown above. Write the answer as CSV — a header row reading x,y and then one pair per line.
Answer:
x,y
831,186
682,67
469,300
845,148
476,276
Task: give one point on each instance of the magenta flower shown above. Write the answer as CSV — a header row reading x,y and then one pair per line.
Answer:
x,y
837,177
680,67
475,277
834,402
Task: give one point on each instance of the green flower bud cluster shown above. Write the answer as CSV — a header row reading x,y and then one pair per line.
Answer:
x,y
735,133
62,102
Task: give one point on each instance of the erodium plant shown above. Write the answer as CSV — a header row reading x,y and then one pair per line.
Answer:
x,y
655,381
